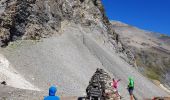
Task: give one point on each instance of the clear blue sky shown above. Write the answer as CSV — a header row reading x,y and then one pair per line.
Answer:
x,y
152,15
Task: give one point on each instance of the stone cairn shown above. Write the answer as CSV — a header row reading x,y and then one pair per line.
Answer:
x,y
100,87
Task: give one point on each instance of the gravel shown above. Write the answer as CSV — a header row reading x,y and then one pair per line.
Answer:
x,y
69,60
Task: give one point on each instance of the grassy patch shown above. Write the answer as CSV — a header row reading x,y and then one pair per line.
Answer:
x,y
151,69
4,98
165,36
153,73
14,45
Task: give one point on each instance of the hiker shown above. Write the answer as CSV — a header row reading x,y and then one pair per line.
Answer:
x,y
131,87
52,91
115,87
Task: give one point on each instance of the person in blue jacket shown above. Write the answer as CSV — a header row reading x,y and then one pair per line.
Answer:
x,y
52,91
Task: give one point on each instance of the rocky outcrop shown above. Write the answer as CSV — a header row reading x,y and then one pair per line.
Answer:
x,y
35,19
4,36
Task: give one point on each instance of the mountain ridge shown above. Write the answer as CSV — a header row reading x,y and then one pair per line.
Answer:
x,y
151,52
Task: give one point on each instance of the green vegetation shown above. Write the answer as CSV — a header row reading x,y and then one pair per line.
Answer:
x,y
4,98
20,43
163,35
15,44
139,60
152,73
151,69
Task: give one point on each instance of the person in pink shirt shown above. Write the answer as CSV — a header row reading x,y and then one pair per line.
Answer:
x,y
115,86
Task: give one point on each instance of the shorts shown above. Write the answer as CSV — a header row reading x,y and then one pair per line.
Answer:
x,y
130,89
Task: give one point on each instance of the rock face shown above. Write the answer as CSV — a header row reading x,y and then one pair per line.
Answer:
x,y
151,50
35,19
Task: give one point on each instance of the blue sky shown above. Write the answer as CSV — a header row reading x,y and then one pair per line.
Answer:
x,y
151,15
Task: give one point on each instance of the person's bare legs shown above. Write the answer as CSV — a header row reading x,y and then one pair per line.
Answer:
x,y
131,97
118,95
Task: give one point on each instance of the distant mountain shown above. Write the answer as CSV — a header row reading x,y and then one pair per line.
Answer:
x,y
151,50
165,39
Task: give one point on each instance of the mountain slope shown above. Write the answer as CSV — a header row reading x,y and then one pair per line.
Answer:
x,y
62,42
151,50
70,60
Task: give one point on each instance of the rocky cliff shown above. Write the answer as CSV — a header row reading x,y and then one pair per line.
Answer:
x,y
35,19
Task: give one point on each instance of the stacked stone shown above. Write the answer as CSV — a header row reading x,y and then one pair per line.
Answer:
x,y
99,87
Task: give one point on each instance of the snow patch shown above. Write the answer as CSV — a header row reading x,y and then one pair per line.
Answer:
x,y
163,87
11,76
